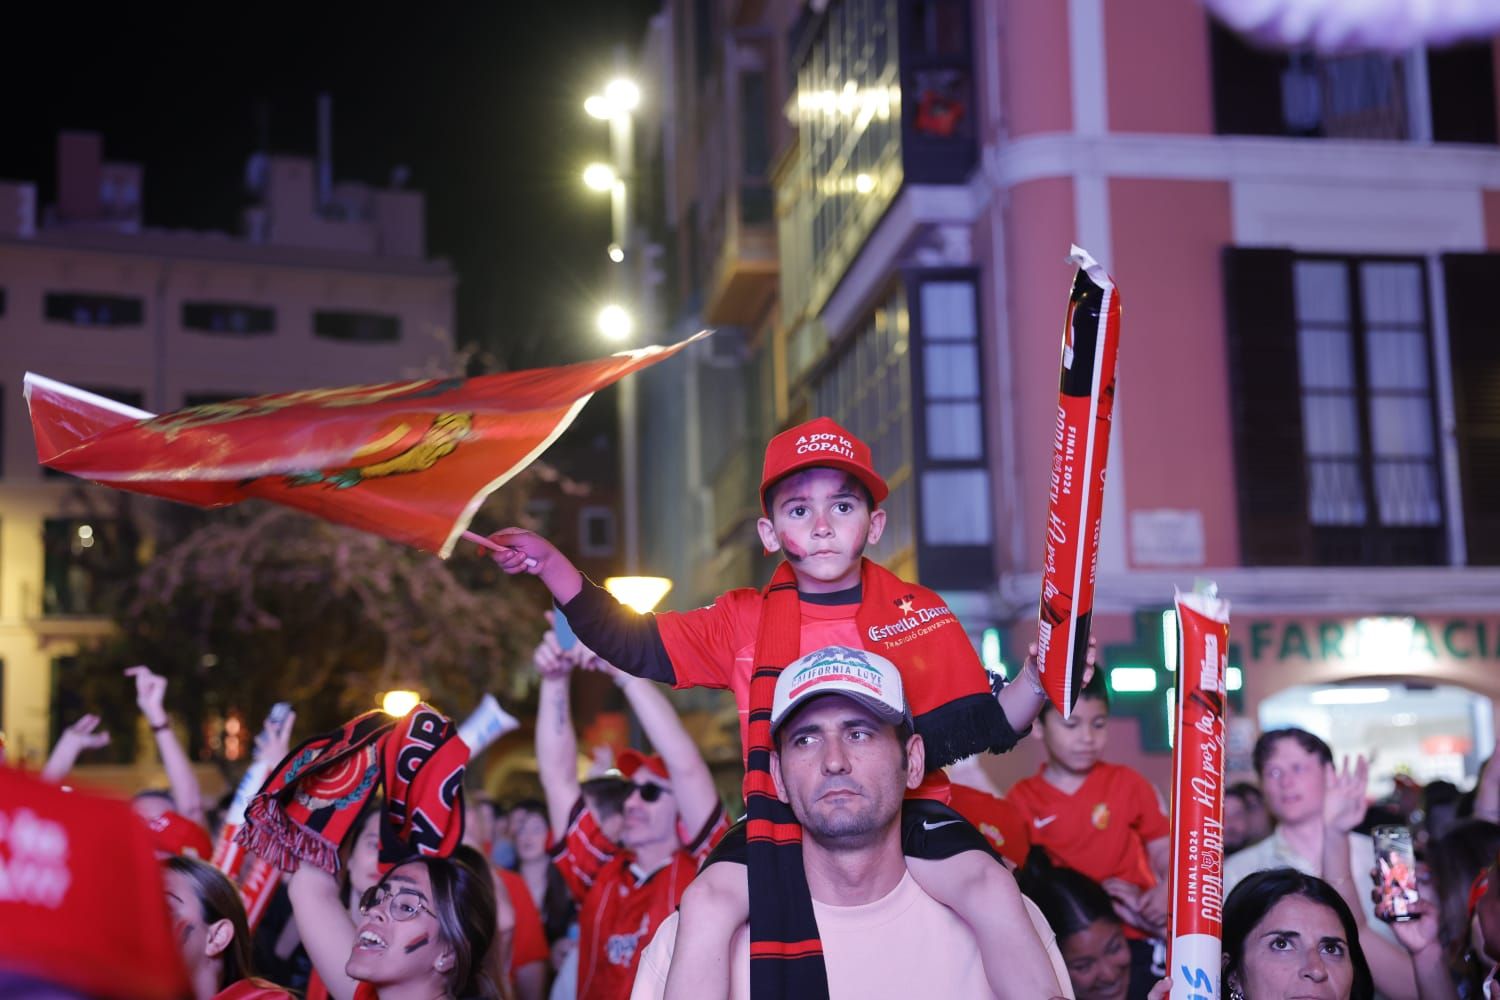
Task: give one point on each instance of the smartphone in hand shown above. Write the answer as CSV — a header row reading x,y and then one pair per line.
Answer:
x,y
1396,863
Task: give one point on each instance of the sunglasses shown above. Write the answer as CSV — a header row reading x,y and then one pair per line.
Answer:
x,y
404,903
649,791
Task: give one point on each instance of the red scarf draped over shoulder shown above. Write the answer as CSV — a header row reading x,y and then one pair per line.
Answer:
x,y
954,709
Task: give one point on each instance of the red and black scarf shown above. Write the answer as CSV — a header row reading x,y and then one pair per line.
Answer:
x,y
954,709
313,797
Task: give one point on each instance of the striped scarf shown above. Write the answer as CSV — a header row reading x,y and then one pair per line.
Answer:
x,y
954,709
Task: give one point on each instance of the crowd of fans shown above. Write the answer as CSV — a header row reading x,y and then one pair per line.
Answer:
x,y
875,860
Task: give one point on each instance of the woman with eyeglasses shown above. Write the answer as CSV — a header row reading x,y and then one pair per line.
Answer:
x,y
208,921
426,929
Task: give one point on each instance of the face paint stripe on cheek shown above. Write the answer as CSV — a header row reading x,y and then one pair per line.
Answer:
x,y
793,553
420,942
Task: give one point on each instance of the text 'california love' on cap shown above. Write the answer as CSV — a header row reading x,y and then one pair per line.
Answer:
x,y
866,677
820,443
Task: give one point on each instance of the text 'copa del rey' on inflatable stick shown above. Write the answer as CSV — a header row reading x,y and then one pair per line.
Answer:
x,y
1194,939
1080,445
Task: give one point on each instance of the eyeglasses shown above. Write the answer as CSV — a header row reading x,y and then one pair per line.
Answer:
x,y
649,791
405,903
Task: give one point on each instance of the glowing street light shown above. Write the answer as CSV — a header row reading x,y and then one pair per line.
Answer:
x,y
616,253
598,106
600,176
622,94
398,703
615,323
639,593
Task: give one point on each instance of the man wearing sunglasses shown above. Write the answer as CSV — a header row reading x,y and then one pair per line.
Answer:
x,y
671,818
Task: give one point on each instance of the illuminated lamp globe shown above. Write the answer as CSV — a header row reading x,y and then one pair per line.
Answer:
x,y
623,95
599,176
638,593
398,703
598,106
615,323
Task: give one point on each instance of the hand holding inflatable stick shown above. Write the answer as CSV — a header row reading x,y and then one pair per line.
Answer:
x,y
1080,446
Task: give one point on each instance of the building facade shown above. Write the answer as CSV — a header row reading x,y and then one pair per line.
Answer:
x,y
329,284
1309,388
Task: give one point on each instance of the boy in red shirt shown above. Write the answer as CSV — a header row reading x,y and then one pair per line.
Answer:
x,y
1100,819
820,496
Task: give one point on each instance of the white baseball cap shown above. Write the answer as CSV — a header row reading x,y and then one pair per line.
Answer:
x,y
867,677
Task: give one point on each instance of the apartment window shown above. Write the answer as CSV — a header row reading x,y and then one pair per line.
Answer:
x,y
1461,82
849,109
228,318
1469,281
2,302
210,398
1334,409
596,531
866,387
89,309
356,326
1357,96
937,84
83,559
956,506
756,205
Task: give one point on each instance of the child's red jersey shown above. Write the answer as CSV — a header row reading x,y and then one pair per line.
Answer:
x,y
1102,829
714,647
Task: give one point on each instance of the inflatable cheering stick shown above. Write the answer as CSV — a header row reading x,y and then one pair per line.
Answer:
x,y
1080,445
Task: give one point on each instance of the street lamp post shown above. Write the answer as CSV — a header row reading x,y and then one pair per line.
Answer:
x,y
616,105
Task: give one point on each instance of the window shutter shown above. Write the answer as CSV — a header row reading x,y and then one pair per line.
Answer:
x,y
1461,81
1266,407
1472,282
1247,85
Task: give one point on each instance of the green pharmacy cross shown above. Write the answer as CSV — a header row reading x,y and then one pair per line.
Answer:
x,y
1142,677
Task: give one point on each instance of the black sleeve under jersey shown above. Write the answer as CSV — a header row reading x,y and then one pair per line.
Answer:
x,y
630,641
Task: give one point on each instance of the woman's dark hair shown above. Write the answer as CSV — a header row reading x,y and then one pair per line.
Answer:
x,y
220,900
1070,900
1304,739
1457,857
463,898
1254,897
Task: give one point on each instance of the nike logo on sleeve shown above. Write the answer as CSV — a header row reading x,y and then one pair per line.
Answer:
x,y
1042,821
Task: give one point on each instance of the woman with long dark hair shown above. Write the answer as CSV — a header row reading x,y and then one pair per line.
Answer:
x,y
426,929
208,921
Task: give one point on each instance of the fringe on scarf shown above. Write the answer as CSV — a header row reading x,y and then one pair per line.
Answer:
x,y
964,727
282,841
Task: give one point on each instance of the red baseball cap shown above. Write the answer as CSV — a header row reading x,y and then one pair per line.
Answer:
x,y
88,912
820,444
173,833
628,762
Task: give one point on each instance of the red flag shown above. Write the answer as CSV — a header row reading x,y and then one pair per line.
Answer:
x,y
411,461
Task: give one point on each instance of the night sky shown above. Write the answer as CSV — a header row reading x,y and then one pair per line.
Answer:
x,y
481,100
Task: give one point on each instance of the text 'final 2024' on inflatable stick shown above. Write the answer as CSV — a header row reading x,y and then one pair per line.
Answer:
x,y
1080,446
1195,938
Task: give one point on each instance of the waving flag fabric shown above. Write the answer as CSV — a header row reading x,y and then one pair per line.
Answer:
x,y
411,461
